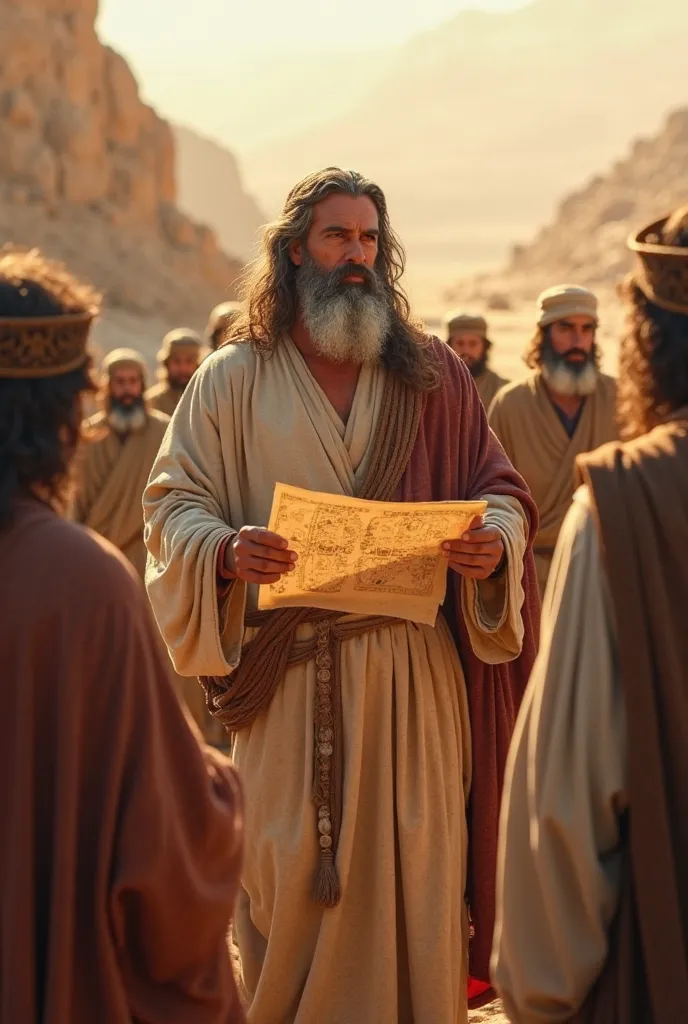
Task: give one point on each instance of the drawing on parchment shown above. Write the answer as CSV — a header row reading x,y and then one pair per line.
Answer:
x,y
391,560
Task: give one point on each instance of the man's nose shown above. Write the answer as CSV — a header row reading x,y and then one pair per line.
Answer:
x,y
355,252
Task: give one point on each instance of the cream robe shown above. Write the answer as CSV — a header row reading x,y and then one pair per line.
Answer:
x,y
523,418
559,862
488,384
395,948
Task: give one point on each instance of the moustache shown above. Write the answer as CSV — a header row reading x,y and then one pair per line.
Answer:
x,y
339,274
576,355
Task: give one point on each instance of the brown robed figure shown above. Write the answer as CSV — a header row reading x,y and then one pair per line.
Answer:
x,y
599,766
121,836
372,748
179,357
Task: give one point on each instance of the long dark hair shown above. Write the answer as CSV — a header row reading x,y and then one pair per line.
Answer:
x,y
653,363
269,285
39,417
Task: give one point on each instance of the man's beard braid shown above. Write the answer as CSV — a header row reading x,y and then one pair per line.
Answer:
x,y
346,322
566,378
127,419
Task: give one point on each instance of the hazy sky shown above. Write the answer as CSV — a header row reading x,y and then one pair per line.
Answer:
x,y
162,31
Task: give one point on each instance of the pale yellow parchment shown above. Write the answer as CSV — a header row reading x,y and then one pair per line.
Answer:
x,y
365,557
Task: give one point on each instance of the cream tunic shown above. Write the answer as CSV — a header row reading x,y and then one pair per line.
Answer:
x,y
395,949
560,855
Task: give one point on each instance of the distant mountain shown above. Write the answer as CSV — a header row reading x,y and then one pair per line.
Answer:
x,y
478,127
210,189
586,240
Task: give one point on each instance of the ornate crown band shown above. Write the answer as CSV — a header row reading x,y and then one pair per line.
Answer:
x,y
46,346
662,272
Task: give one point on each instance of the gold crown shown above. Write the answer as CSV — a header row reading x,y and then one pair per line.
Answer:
x,y
662,271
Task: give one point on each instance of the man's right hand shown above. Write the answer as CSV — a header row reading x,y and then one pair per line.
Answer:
x,y
259,556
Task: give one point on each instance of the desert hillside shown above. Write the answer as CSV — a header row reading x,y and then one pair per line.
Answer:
x,y
87,173
586,240
477,128
210,188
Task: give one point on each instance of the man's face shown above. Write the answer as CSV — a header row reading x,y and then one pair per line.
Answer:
x,y
573,339
470,347
126,385
345,230
343,301
181,367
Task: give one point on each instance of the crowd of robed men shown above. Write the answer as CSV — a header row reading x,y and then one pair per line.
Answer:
x,y
363,862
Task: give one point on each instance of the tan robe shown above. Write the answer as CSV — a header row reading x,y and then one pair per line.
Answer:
x,y
394,950
111,480
108,495
163,397
120,839
488,384
559,873
523,418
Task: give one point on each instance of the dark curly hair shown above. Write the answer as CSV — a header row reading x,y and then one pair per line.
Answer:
x,y
39,417
269,285
653,363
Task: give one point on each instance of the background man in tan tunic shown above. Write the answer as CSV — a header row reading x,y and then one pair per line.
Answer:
x,y
565,407
121,838
352,905
123,441
467,336
593,919
178,359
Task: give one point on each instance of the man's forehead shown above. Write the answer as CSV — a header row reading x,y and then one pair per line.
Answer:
x,y
578,320
346,211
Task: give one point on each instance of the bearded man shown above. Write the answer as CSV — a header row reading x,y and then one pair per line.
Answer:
x,y
352,902
123,441
179,357
565,407
116,890
467,335
599,768
220,323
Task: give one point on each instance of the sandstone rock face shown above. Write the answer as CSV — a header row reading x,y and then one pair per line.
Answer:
x,y
87,170
586,241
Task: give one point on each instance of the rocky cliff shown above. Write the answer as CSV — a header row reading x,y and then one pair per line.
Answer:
x,y
210,187
87,170
585,242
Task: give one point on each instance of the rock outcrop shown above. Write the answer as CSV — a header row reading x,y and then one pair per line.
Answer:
x,y
87,170
210,188
585,243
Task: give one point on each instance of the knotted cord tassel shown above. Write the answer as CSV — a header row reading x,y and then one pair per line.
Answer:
x,y
328,891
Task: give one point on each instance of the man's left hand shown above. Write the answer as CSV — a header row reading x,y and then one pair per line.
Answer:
x,y
478,553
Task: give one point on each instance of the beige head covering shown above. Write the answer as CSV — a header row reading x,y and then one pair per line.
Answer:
x,y
221,318
662,268
565,300
120,357
181,339
465,323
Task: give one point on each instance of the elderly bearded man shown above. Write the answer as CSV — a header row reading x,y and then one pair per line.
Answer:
x,y
594,910
178,359
564,408
327,384
467,336
121,838
123,441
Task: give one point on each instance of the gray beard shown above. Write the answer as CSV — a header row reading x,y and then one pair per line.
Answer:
x,y
346,323
127,419
568,378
